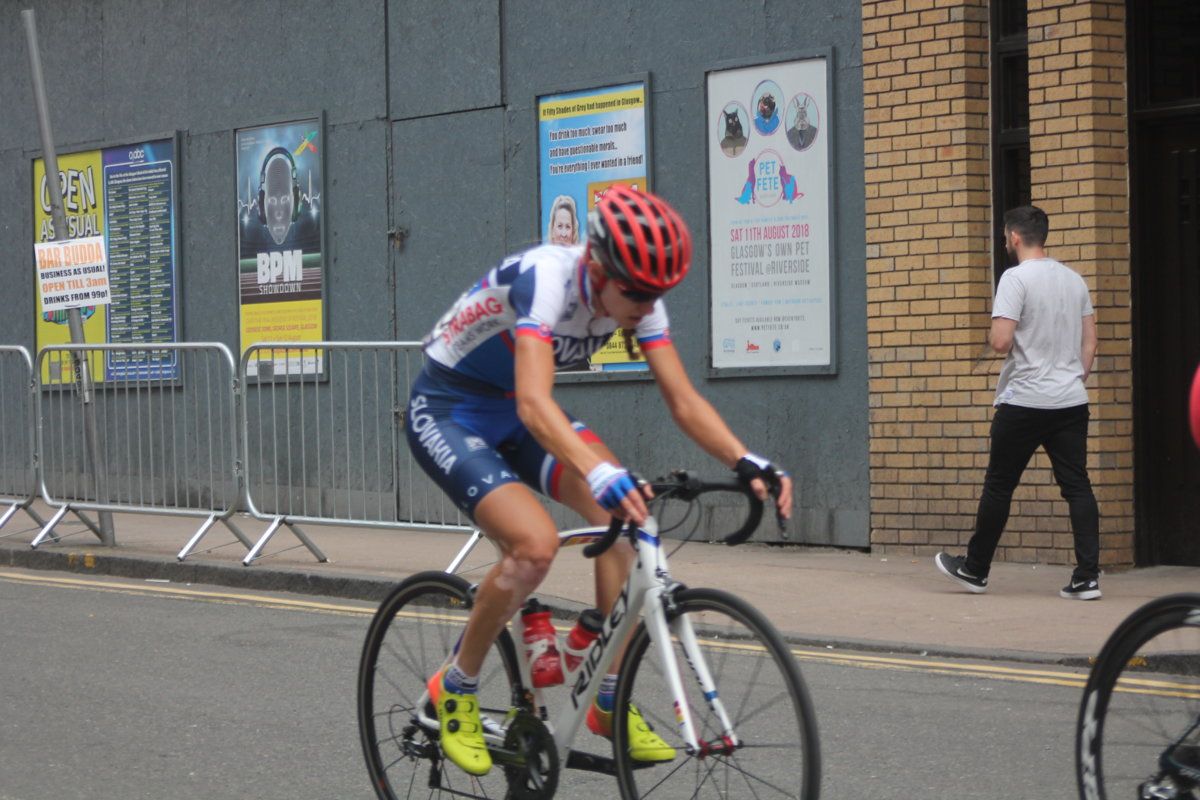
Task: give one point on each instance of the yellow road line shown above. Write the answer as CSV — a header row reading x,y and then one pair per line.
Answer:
x,y
1044,676
184,593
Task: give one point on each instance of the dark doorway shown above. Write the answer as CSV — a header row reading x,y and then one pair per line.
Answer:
x,y
1165,169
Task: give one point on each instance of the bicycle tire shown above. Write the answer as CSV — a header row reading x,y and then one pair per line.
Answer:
x,y
1131,712
764,693
410,636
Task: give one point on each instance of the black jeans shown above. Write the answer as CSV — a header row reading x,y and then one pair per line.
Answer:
x,y
1016,433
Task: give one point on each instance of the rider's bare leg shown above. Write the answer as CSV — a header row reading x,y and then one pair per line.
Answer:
x,y
527,538
612,568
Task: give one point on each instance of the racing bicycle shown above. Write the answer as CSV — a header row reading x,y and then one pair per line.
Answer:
x,y
1138,734
707,670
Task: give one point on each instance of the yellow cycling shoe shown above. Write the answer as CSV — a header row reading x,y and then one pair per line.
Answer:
x,y
462,732
644,743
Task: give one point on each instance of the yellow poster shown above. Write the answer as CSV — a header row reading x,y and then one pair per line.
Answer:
x,y
289,321
614,352
81,179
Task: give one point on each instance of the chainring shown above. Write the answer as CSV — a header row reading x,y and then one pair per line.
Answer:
x,y
537,777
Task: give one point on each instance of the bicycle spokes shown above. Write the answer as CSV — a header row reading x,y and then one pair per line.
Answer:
x,y
754,732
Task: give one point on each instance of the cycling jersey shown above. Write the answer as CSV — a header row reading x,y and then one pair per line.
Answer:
x,y
542,292
462,424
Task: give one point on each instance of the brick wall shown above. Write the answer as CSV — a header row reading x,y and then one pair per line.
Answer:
x,y
1079,156
929,279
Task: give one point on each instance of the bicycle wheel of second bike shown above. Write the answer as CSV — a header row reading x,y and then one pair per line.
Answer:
x,y
410,637
1139,721
759,683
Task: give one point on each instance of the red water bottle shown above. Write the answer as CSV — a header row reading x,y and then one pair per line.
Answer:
x,y
590,623
541,646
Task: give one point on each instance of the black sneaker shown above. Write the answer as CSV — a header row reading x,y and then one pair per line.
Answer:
x,y
953,568
1081,590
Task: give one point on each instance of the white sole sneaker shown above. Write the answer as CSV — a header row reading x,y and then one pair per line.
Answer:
x,y
1090,594
970,587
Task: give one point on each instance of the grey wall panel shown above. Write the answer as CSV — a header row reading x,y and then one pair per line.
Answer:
x,y
333,58
254,62
16,252
209,239
357,262
430,129
444,57
143,42
449,198
546,48
521,176
72,61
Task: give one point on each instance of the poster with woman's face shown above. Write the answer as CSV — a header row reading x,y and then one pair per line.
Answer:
x,y
589,140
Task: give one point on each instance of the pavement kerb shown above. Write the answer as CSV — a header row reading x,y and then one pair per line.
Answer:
x,y
329,583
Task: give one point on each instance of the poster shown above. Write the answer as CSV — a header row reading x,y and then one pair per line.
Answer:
x,y
588,140
769,216
126,195
72,273
281,266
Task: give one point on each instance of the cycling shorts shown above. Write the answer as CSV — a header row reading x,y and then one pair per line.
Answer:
x,y
469,439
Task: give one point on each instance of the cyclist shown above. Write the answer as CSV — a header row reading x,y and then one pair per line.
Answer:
x,y
483,423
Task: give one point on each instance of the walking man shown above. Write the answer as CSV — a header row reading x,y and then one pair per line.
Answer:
x,y
1043,319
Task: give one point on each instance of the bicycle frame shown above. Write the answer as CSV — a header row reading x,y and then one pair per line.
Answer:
x,y
645,596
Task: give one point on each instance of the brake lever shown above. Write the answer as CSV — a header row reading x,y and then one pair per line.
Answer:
x,y
780,520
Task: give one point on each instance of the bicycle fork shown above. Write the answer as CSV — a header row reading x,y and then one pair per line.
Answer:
x,y
681,627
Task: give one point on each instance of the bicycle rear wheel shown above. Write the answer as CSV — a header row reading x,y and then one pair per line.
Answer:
x,y
759,683
1138,733
411,636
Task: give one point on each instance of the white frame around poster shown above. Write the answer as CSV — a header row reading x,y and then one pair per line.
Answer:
x,y
771,222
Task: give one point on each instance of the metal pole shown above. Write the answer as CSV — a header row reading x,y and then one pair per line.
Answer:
x,y
83,375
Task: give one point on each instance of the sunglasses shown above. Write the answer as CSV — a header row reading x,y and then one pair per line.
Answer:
x,y
636,295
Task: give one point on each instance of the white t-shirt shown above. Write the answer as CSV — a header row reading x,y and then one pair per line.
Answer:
x,y
1044,369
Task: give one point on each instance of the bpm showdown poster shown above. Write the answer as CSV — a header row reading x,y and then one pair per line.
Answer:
x,y
281,260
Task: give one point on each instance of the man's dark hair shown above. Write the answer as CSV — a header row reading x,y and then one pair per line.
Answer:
x,y
1029,221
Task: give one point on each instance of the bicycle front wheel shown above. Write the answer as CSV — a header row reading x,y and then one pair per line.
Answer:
x,y
758,684
410,638
1138,733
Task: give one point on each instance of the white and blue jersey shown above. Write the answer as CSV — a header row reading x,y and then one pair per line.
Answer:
x,y
462,424
541,292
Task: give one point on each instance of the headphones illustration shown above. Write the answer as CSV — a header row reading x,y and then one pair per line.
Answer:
x,y
262,177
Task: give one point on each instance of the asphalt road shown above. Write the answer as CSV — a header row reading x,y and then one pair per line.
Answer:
x,y
129,689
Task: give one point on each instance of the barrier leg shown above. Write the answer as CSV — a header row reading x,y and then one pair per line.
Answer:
x,y
93,527
41,523
195,540
307,542
12,509
241,537
48,530
476,535
262,541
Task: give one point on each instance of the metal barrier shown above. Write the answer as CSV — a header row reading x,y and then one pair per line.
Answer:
x,y
166,424
18,474
323,440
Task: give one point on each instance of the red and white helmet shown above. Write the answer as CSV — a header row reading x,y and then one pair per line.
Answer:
x,y
639,239
1194,408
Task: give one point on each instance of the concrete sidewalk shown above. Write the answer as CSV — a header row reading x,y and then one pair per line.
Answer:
x,y
814,596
